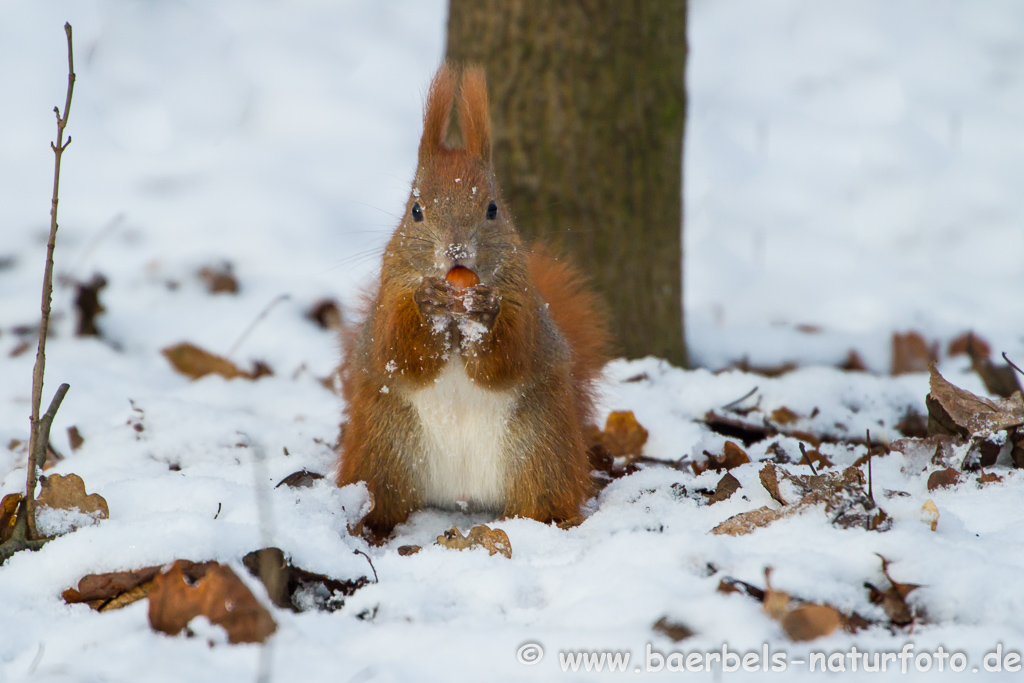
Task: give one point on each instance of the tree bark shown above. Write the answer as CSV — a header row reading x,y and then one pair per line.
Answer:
x,y
588,106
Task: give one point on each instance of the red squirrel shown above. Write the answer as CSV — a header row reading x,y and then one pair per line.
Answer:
x,y
471,376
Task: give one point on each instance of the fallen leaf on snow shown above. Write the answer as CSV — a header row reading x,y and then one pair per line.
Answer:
x,y
299,480
75,439
811,621
623,436
911,353
971,344
847,502
783,416
112,590
770,481
219,595
727,486
190,360
67,492
326,313
732,456
480,536
9,514
942,479
88,306
893,600
746,522
959,411
989,478
672,630
219,278
297,589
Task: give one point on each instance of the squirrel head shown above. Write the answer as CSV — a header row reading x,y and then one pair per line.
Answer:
x,y
455,215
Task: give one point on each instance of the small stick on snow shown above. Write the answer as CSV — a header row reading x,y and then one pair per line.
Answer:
x,y
360,552
807,459
263,314
741,399
1012,364
871,493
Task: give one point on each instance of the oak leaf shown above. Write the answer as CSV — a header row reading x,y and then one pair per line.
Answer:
x,y
67,492
219,595
195,362
480,536
959,411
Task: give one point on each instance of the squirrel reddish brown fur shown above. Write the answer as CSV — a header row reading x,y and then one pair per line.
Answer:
x,y
462,395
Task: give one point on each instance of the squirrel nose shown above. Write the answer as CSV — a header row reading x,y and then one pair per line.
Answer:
x,y
460,254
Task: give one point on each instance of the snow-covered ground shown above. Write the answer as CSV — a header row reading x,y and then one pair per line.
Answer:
x,y
850,165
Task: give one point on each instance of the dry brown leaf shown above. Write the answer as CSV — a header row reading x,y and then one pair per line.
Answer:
x,y
853,363
219,595
219,278
943,479
727,486
623,435
75,439
989,478
971,344
480,536
140,592
776,603
911,353
672,630
297,589
190,360
300,480
959,411
770,481
326,313
407,550
746,522
893,600
88,306
847,501
1017,441
570,523
732,456
67,492
9,514
107,586
783,416
811,621
930,514
731,585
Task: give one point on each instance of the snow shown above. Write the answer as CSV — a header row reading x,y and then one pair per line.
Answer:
x,y
852,165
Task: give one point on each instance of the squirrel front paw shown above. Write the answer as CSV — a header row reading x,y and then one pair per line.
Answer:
x,y
435,297
482,305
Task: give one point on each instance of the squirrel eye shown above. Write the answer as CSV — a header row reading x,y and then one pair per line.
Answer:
x,y
417,212
492,211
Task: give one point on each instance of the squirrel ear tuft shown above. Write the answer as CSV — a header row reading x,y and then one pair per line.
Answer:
x,y
437,112
474,117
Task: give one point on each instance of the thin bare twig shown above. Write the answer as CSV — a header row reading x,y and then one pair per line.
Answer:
x,y
741,399
263,314
37,440
807,459
871,490
1012,364
360,552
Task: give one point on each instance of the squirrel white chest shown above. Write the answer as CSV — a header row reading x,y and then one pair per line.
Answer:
x,y
464,439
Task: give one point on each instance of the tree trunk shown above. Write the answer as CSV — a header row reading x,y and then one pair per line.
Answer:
x,y
588,106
